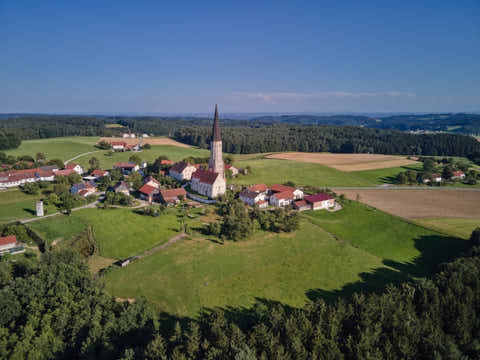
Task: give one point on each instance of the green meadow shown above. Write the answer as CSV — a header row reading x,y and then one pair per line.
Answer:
x,y
384,176
457,227
272,171
15,205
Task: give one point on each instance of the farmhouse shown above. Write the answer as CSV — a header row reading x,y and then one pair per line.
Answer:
x,y
126,167
52,168
251,198
301,205
297,194
283,198
122,187
14,178
148,192
128,135
99,173
9,244
259,188
232,169
151,181
166,162
86,188
172,196
262,204
64,172
320,201
458,175
75,167
182,171
118,145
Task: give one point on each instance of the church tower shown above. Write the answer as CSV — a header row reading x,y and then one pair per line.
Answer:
x,y
216,159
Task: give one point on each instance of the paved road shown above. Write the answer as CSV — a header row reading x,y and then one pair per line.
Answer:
x,y
26,221
80,155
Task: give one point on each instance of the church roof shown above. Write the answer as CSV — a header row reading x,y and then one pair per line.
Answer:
x,y
216,128
205,176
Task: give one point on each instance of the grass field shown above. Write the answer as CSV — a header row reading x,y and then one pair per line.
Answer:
x,y
271,171
14,204
457,227
120,233
384,176
62,148
174,153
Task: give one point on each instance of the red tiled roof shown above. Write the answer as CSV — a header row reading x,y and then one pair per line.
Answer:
x,y
249,194
318,197
64,172
258,188
71,166
83,192
171,193
205,176
99,172
166,162
125,165
7,240
282,188
284,195
458,173
300,203
261,202
147,189
118,143
44,173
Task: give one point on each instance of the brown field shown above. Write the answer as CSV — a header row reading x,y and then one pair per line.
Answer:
x,y
421,203
151,141
347,162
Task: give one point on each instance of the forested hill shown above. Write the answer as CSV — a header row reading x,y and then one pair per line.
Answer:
x,y
330,138
454,123
8,140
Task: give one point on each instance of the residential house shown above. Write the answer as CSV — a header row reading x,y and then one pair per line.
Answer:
x,y
259,188
458,175
436,178
64,172
251,198
182,171
126,167
128,135
118,145
208,183
262,204
99,173
150,180
283,198
166,162
172,196
75,167
53,168
14,178
88,187
148,192
320,201
297,194
122,187
301,205
133,147
9,244
232,169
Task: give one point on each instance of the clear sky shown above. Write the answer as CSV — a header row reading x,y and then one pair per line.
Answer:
x,y
248,56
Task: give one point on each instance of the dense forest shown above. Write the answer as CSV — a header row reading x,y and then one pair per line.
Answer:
x,y
51,308
330,138
8,140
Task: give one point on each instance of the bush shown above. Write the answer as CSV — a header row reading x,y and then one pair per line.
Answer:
x,y
475,237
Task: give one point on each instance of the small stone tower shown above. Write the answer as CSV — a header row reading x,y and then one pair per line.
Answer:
x,y
216,158
40,208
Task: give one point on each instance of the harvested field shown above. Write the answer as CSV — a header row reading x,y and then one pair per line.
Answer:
x,y
421,203
151,141
347,162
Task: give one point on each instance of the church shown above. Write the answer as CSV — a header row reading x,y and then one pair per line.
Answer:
x,y
211,182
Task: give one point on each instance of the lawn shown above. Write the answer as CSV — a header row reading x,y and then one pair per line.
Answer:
x,y
457,227
271,171
385,176
120,233
388,237
63,148
174,153
14,205
195,274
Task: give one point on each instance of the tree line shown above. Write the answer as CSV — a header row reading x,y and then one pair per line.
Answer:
x,y
330,138
52,308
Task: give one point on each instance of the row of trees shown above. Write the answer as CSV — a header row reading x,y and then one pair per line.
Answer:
x,y
52,308
336,139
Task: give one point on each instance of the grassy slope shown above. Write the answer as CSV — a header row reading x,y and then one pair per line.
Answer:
x,y
62,148
15,204
172,152
271,171
384,176
457,227
388,237
59,227
198,273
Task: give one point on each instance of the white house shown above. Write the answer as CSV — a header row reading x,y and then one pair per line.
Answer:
x,y
118,145
297,194
458,175
251,198
320,201
284,198
232,169
75,167
182,171
7,243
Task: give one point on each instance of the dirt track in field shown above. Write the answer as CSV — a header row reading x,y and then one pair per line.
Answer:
x,y
151,141
421,203
347,162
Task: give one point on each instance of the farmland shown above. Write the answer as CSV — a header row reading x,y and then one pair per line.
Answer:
x,y
347,162
421,203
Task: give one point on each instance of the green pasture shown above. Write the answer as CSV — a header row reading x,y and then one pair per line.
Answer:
x,y
272,171
15,205
384,176
63,148
60,227
457,227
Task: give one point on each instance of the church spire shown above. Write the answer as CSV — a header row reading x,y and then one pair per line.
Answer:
x,y
216,127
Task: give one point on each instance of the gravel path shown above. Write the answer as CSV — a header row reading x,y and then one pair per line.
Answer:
x,y
80,155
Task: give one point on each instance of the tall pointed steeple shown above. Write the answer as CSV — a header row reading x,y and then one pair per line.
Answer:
x,y
216,128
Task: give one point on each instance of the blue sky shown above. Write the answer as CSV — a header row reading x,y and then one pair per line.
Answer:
x,y
248,56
